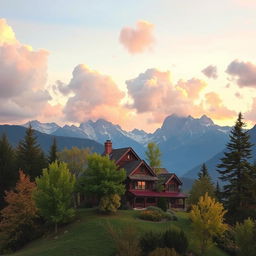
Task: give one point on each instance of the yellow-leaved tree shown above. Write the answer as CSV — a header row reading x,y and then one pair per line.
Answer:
x,y
207,221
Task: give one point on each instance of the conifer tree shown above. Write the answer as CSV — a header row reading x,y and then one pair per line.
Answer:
x,y
218,192
235,169
53,151
30,157
203,172
8,174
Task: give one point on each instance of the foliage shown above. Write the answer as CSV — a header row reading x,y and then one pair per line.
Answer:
x,y
203,172
200,187
8,173
150,215
126,240
109,203
53,152
17,224
54,192
102,177
149,241
207,221
153,156
162,203
164,252
235,170
176,239
155,208
245,237
30,157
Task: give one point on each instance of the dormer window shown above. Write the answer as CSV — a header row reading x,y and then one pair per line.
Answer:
x,y
140,185
128,156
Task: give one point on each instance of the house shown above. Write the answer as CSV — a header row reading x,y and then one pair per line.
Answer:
x,y
141,181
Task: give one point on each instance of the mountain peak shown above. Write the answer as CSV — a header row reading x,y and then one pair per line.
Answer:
x,y
206,120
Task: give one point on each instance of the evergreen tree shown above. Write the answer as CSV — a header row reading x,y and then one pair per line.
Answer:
x,y
153,156
218,192
53,151
235,169
203,172
8,174
30,157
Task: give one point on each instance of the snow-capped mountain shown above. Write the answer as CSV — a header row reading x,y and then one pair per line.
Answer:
x,y
184,142
47,128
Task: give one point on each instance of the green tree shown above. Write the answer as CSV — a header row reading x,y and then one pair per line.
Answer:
x,y
102,177
203,172
53,152
54,193
8,173
30,157
234,170
245,237
153,156
200,187
218,192
207,221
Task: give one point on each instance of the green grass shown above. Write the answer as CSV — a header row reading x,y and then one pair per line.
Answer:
x,y
87,235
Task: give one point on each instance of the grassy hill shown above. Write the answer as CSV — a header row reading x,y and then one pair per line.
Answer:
x,y
87,236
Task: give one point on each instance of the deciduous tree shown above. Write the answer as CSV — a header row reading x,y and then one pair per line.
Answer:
x,y
153,156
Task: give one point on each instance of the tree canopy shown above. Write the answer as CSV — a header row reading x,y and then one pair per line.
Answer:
x,y
153,155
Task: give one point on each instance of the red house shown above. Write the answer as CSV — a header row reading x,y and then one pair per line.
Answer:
x,y
141,180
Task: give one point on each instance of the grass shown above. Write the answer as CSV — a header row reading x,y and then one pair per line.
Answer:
x,y
87,235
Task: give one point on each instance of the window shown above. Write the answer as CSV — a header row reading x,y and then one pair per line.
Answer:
x,y
172,187
140,185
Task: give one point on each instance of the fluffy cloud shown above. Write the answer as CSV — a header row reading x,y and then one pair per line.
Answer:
x,y
210,72
137,40
244,72
22,78
94,96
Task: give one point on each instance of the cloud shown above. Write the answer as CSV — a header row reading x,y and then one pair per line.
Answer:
x,y
243,72
210,72
139,39
94,96
23,74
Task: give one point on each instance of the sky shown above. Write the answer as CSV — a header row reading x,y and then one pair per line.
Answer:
x,y
130,62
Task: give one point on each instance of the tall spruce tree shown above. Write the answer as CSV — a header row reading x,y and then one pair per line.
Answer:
x,y
53,152
203,172
8,173
234,171
30,157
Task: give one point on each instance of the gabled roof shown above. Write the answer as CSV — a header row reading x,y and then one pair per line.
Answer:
x,y
118,153
131,166
166,177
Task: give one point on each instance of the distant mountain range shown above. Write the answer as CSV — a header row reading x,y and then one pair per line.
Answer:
x,y
185,142
16,133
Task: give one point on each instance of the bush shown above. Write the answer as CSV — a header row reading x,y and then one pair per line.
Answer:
x,y
150,241
162,203
169,216
109,203
176,239
164,252
155,208
150,215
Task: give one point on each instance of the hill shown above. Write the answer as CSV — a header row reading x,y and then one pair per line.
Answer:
x,y
16,133
88,235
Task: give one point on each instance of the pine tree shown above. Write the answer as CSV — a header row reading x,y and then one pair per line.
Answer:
x,y
8,174
218,192
53,152
203,172
30,157
235,169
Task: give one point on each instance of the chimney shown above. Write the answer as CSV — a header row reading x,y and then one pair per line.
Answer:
x,y
108,147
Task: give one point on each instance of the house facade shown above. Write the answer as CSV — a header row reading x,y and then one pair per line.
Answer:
x,y
142,181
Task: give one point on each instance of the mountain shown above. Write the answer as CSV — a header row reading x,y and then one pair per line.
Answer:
x,y
215,160
16,133
185,142
47,128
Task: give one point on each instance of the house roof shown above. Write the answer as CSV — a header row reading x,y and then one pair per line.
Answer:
x,y
166,177
142,177
131,166
146,193
116,154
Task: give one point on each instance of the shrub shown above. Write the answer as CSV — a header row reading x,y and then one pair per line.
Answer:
x,y
162,203
155,208
150,215
150,241
164,252
109,203
176,239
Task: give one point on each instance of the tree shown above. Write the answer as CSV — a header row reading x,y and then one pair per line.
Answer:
x,y
207,221
218,192
234,170
53,152
8,173
153,156
30,157
102,177
54,193
245,237
203,172
17,224
200,187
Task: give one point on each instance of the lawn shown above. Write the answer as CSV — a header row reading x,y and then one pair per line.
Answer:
x,y
87,235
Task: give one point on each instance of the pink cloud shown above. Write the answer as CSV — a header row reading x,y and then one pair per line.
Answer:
x,y
139,39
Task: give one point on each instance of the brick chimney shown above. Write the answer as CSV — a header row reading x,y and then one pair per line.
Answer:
x,y
108,147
